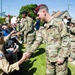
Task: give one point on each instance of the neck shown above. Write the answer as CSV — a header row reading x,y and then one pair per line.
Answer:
x,y
49,18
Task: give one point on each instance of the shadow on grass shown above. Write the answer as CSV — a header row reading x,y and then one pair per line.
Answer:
x,y
39,52
26,69
69,72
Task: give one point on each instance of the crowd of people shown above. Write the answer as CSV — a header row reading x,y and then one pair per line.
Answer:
x,y
58,34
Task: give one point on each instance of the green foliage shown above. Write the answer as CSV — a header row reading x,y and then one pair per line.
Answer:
x,y
30,9
71,69
2,20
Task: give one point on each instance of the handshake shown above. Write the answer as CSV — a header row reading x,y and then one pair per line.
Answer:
x,y
25,57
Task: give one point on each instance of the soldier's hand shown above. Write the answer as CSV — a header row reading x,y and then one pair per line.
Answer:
x,y
25,57
59,61
27,54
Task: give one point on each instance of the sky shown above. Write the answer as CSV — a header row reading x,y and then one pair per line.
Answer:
x,y
12,7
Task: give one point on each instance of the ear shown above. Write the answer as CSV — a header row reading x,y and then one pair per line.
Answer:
x,y
44,11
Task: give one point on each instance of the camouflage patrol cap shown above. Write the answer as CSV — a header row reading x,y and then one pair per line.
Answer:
x,y
24,12
37,8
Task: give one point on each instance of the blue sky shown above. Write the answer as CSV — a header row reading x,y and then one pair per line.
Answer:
x,y
13,6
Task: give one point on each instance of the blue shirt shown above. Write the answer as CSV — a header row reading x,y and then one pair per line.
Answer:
x,y
37,26
5,32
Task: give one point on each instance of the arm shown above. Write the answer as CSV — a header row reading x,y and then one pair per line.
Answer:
x,y
28,26
6,38
7,68
65,45
36,44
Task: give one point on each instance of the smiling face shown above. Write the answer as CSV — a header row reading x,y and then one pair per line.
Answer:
x,y
41,15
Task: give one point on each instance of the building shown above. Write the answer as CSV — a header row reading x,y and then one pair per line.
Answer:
x,y
61,15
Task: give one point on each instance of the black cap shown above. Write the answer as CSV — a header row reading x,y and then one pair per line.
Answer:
x,y
24,12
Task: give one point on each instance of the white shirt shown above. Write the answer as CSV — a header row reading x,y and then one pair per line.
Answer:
x,y
13,20
65,21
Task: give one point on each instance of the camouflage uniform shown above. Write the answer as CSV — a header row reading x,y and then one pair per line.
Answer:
x,y
5,67
72,41
28,30
57,45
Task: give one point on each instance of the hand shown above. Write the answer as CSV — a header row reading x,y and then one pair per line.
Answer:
x,y
28,54
25,57
13,31
18,33
15,51
59,61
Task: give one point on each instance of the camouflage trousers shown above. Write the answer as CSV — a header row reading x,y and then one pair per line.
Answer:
x,y
72,50
54,69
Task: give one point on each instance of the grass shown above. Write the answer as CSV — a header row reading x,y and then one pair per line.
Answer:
x,y
36,64
71,69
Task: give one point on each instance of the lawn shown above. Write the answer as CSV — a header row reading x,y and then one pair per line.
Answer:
x,y
36,64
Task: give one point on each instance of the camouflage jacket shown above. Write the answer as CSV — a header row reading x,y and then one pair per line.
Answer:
x,y
56,38
28,29
72,34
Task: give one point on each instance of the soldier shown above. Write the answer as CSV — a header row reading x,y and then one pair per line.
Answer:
x,y
72,41
56,38
5,67
27,27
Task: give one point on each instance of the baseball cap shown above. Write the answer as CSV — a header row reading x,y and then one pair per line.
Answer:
x,y
37,8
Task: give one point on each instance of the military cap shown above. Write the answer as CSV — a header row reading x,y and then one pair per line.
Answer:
x,y
24,12
37,8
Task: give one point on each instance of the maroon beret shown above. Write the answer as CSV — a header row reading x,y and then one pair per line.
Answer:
x,y
37,8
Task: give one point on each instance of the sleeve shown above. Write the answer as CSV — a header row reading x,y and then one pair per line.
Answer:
x,y
65,42
72,30
6,67
27,26
36,43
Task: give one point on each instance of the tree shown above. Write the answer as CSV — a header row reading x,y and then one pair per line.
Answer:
x,y
30,9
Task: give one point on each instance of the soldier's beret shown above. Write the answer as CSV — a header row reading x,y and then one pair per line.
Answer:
x,y
37,8
24,12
